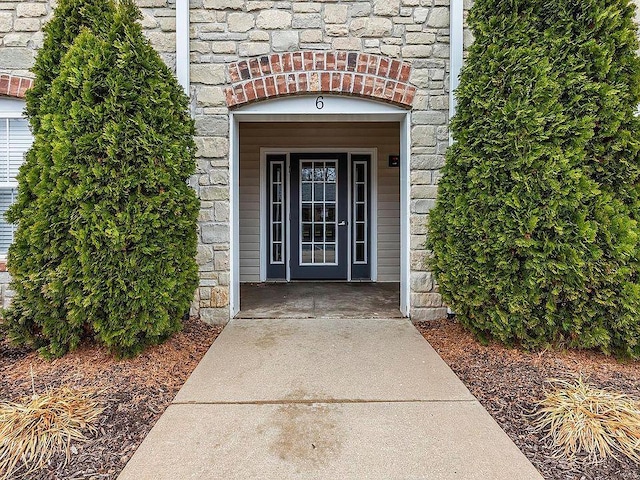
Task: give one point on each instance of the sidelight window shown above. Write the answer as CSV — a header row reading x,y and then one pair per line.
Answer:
x,y
360,212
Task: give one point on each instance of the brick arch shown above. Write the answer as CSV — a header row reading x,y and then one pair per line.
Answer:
x,y
14,86
349,73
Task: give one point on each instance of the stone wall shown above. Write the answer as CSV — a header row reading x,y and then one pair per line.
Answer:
x,y
20,34
225,31
21,31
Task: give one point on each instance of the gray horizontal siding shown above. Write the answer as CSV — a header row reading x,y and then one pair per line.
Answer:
x,y
383,136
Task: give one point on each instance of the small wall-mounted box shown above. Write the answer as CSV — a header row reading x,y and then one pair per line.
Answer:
x,y
394,160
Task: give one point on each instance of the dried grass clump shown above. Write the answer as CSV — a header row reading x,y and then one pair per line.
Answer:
x,y
33,432
582,419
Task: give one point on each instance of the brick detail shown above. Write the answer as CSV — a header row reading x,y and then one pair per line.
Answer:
x,y
14,86
350,73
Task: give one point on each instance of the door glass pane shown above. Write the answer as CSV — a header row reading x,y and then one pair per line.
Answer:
x,y
330,233
277,204
331,213
330,192
360,221
277,252
330,253
306,232
306,192
307,172
318,205
306,212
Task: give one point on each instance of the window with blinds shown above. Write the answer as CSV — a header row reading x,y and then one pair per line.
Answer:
x,y
15,140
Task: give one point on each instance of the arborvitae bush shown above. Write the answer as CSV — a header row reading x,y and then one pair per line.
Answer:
x,y
41,258
114,209
535,231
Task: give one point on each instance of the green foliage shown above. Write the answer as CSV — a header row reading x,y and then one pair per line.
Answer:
x,y
70,17
535,234
42,255
107,244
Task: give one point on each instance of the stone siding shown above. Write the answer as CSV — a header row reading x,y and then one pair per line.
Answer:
x,y
21,34
227,31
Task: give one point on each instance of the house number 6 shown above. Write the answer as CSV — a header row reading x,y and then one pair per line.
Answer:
x,y
320,103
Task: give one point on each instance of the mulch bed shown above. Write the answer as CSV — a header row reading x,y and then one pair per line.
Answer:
x,y
134,392
508,382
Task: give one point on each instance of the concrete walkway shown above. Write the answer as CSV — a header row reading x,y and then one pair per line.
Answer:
x,y
325,399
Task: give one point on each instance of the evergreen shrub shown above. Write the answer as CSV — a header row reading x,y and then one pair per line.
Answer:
x,y
535,233
41,256
111,212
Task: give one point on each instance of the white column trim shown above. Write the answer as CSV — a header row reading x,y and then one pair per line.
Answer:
x,y
287,211
234,217
373,217
405,211
263,214
456,39
182,43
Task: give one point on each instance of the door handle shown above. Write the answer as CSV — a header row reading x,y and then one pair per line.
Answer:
x,y
342,223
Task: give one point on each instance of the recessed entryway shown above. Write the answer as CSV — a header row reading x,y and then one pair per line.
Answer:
x,y
320,300
293,171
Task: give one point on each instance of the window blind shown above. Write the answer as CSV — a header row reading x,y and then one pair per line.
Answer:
x,y
7,197
15,140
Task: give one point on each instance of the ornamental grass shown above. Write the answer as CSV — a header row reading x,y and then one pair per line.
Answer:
x,y
31,433
581,419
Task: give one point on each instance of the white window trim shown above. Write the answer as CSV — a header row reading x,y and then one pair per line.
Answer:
x,y
11,114
365,202
8,184
283,218
10,108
